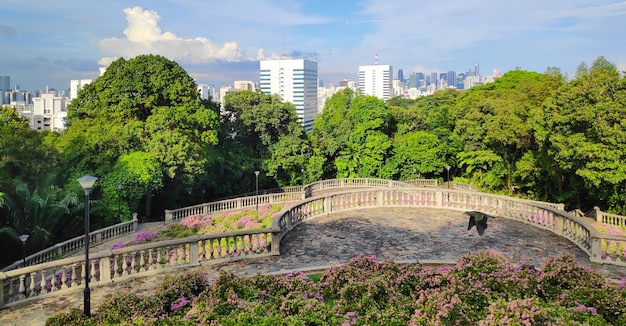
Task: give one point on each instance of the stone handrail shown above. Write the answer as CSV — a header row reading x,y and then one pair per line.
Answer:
x,y
294,193
601,248
176,215
116,265
78,243
608,218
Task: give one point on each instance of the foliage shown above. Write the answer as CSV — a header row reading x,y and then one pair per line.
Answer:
x,y
158,130
481,289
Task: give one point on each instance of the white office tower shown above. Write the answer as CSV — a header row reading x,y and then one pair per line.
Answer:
x,y
76,85
376,80
295,81
49,112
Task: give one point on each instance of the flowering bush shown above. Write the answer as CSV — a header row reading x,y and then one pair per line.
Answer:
x,y
144,236
481,289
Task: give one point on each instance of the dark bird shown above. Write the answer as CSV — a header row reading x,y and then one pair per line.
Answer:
x,y
479,219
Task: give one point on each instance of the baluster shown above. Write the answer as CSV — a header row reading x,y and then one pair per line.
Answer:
x,y
239,245
22,288
73,280
11,287
159,259
133,263
125,271
116,266
223,247
173,254
92,271
208,246
184,256
42,284
63,279
150,262
202,250
142,262
53,281
32,284
255,243
82,273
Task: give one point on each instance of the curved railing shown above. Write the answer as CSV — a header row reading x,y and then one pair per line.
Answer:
x,y
601,248
74,245
108,266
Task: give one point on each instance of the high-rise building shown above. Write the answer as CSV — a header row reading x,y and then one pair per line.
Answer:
x,y
451,78
5,83
376,80
477,70
76,85
295,81
433,78
401,75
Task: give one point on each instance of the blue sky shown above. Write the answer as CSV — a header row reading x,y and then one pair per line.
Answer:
x,y
47,43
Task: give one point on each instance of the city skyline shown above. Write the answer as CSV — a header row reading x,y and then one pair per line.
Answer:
x,y
47,44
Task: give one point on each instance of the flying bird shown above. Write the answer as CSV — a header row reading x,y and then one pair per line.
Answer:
x,y
479,219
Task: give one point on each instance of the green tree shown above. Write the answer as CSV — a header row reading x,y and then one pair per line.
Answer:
x,y
24,154
150,105
368,143
331,131
584,135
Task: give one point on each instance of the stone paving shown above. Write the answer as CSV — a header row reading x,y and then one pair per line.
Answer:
x,y
388,233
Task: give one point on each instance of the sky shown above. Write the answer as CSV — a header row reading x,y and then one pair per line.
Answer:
x,y
48,43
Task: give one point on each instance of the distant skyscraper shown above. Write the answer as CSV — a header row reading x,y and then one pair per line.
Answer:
x,y
452,78
295,81
376,80
477,70
433,78
443,76
5,83
401,75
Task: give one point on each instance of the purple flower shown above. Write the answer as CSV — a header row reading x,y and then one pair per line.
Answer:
x,y
144,236
118,246
179,303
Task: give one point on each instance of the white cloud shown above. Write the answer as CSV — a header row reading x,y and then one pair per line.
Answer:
x,y
144,36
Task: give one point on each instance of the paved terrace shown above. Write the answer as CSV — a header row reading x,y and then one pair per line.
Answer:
x,y
402,234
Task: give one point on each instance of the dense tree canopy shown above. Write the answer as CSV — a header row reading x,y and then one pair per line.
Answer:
x,y
143,113
143,131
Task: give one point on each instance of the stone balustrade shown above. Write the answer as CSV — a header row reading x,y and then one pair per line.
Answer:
x,y
115,265
73,245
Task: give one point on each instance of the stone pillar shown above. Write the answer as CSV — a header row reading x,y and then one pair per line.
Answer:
x,y
275,246
327,205
105,269
558,224
596,250
380,198
598,213
439,198
194,259
58,250
169,216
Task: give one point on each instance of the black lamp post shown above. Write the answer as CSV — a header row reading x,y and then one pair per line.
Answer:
x,y
448,168
256,173
23,238
87,183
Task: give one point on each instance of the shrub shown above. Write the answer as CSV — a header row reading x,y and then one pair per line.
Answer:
x,y
368,292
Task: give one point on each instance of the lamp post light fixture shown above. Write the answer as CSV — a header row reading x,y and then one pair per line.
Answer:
x,y
23,238
87,183
448,168
256,173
